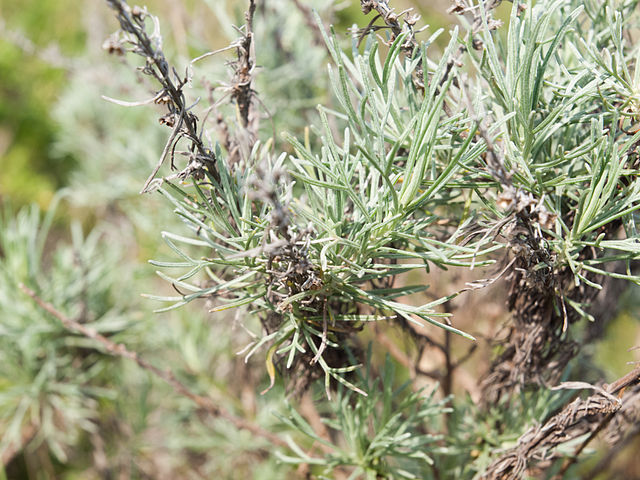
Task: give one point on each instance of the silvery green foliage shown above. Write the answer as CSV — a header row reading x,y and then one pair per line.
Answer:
x,y
52,380
406,179
385,434
306,246
522,146
565,97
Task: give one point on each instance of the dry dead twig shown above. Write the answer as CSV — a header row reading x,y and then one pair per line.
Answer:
x,y
243,67
392,21
179,118
536,449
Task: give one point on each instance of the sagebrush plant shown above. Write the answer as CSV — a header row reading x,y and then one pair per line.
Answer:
x,y
379,429
53,379
424,165
504,147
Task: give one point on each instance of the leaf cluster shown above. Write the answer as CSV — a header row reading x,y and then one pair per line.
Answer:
x,y
51,379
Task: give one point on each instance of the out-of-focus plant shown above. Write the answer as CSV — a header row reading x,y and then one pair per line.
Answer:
x,y
53,380
383,434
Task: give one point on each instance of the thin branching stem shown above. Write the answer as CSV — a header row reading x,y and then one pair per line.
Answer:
x,y
205,403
